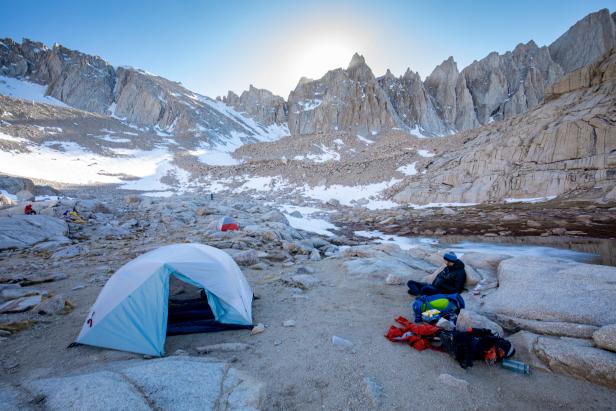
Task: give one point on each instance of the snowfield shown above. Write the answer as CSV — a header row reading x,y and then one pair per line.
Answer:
x,y
26,90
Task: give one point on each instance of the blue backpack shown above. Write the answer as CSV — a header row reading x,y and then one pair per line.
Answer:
x,y
447,304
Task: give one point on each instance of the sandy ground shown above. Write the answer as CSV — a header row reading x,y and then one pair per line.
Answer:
x,y
300,365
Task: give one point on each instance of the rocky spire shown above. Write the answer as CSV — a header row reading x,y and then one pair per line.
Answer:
x,y
585,41
342,100
356,60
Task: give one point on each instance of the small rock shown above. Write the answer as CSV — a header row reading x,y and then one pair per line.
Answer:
x,y
78,287
277,342
180,352
373,390
25,195
132,199
315,255
289,323
223,347
452,381
247,258
260,266
257,329
341,342
605,337
469,319
20,304
71,251
304,281
304,270
393,279
297,214
275,216
55,305
13,291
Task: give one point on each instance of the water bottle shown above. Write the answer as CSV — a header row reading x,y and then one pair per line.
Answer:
x,y
516,366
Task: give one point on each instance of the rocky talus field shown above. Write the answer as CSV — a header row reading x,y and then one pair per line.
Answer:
x,y
325,301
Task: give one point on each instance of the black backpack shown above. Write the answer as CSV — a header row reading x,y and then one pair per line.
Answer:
x,y
475,344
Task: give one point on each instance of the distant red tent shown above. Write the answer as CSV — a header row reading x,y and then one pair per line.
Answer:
x,y
228,224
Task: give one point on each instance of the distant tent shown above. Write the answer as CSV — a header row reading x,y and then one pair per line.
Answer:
x,y
132,310
228,224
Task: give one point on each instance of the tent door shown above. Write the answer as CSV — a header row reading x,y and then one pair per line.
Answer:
x,y
190,311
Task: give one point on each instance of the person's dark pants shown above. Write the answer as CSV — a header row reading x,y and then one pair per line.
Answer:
x,y
419,288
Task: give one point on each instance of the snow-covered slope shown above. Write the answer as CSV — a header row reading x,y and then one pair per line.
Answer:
x,y
27,90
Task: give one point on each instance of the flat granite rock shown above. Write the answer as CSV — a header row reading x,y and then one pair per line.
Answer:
x,y
23,231
102,390
553,289
171,383
571,356
12,399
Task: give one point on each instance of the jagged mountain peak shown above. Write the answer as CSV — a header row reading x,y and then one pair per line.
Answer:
x,y
585,41
411,75
448,66
356,60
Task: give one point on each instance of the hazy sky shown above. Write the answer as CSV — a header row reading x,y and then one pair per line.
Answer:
x,y
215,46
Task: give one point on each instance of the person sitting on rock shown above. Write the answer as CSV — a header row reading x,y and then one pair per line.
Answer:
x,y
450,280
28,210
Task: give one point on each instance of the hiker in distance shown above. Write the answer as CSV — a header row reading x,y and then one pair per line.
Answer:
x,y
449,280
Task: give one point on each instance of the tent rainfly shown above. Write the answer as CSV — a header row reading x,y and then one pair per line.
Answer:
x,y
227,223
131,311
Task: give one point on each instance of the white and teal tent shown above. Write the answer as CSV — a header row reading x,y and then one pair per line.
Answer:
x,y
130,313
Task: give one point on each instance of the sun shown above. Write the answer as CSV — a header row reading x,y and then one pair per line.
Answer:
x,y
315,55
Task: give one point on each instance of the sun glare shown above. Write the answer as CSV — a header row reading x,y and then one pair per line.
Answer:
x,y
316,58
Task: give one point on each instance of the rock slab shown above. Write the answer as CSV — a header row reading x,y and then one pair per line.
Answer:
x,y
552,289
172,383
23,231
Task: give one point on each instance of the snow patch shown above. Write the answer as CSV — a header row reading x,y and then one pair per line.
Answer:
x,y
364,139
26,90
435,205
425,153
408,170
529,200
313,225
327,155
308,105
368,195
405,243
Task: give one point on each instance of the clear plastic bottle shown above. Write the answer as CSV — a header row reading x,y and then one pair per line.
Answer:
x,y
516,366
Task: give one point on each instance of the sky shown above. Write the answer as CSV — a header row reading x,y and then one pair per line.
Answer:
x,y
216,46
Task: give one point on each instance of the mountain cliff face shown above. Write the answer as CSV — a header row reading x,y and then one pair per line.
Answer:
x,y
349,100
497,87
79,80
568,143
412,103
585,41
141,99
503,86
259,104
